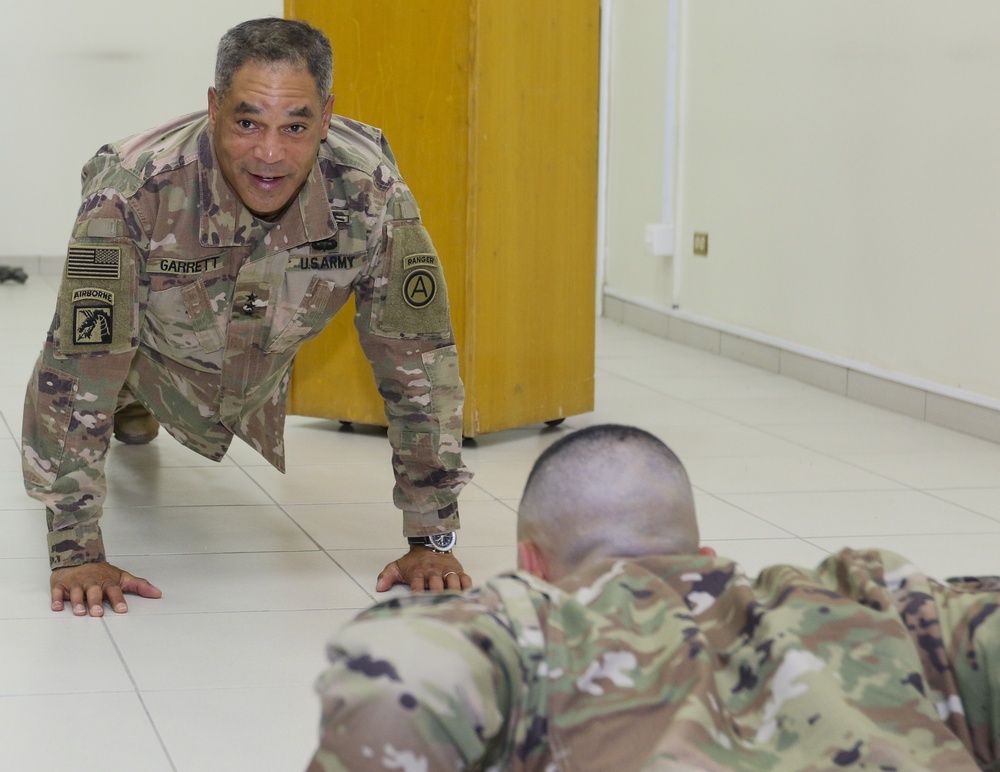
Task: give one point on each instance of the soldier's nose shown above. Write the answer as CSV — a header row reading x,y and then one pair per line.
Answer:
x,y
269,151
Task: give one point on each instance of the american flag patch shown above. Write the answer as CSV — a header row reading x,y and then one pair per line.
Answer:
x,y
93,262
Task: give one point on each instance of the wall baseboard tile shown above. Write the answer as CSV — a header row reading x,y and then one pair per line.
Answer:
x,y
927,401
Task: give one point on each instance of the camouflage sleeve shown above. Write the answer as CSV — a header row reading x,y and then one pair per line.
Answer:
x,y
404,326
956,630
418,688
71,397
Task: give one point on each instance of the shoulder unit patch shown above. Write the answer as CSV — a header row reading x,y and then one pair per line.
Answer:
x,y
93,316
415,303
419,288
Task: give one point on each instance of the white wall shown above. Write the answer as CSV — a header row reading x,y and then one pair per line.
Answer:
x,y
844,157
635,144
74,76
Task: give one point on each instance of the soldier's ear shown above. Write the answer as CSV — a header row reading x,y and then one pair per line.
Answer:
x,y
213,106
530,559
327,114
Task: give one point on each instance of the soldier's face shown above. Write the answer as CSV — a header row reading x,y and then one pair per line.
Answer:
x,y
266,131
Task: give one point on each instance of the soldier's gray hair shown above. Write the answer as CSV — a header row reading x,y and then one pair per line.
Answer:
x,y
274,41
607,490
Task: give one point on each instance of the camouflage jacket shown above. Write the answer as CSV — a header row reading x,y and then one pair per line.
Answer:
x,y
173,289
672,663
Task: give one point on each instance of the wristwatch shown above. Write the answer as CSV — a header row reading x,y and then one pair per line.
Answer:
x,y
439,542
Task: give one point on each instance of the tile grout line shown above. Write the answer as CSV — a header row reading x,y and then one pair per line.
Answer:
x,y
139,695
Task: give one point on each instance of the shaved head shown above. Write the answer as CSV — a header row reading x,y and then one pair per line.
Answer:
x,y
607,491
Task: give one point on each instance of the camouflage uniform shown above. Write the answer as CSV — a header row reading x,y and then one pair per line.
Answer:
x,y
673,663
174,294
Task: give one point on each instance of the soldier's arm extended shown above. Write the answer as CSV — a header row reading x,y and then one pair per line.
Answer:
x,y
72,394
405,330
414,691
955,629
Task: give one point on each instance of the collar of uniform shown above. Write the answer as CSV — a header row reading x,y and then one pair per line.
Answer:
x,y
314,208
225,221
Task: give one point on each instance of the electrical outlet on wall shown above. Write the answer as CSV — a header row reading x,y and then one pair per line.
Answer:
x,y
660,240
701,244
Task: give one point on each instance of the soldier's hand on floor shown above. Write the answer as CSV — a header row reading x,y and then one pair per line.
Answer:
x,y
91,583
422,568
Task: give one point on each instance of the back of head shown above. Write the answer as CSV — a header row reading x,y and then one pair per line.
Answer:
x,y
607,491
276,42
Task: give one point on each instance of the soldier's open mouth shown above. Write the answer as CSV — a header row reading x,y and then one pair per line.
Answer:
x,y
266,182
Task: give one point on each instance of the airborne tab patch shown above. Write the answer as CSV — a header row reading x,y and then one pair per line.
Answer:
x,y
89,261
93,293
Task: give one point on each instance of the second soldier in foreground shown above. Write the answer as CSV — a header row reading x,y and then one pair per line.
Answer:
x,y
621,645
205,252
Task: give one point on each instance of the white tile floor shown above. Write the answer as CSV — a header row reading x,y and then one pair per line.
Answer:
x,y
258,568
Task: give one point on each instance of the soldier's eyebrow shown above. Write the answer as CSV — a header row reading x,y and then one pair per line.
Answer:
x,y
247,108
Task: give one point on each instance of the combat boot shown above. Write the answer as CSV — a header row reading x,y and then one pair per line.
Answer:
x,y
135,426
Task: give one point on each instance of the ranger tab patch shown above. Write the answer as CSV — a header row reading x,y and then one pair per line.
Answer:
x,y
93,316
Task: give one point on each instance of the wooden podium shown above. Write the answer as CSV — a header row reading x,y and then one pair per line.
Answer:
x,y
491,108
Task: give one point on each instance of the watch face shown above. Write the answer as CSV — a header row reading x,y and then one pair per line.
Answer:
x,y
444,542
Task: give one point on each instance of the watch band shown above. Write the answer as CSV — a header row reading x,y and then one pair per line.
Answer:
x,y
442,543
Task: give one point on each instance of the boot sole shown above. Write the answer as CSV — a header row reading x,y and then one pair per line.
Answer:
x,y
135,439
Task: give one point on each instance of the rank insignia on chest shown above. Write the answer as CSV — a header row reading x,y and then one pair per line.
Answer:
x,y
251,302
